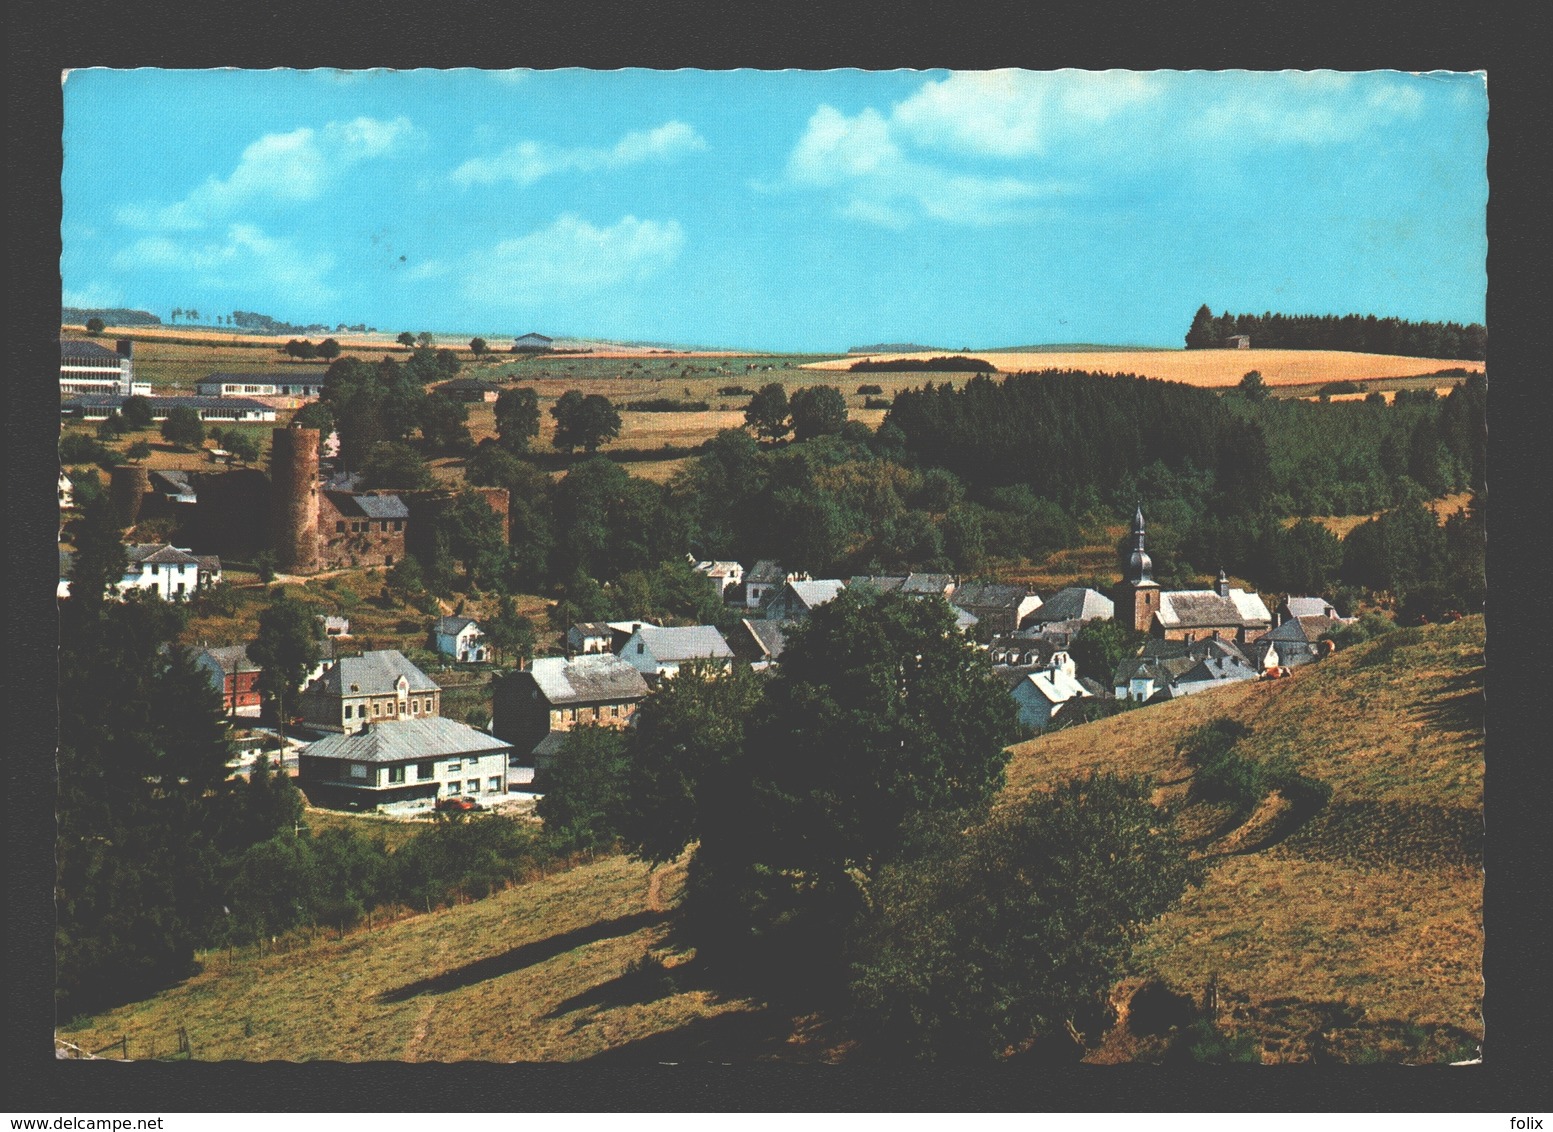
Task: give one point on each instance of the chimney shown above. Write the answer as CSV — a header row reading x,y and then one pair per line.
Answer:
x,y
125,347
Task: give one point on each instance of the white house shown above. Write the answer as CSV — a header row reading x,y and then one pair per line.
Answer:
x,y
90,367
763,577
298,383
1041,693
404,766
589,637
168,571
66,491
724,575
658,652
460,638
796,600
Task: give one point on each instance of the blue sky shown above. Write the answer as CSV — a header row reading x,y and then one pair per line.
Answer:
x,y
782,210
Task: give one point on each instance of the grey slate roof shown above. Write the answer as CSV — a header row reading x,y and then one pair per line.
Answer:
x,y
372,674
406,740
591,678
342,481
77,348
1302,630
1076,603
160,553
928,584
990,596
766,570
817,592
1193,609
592,629
172,480
452,626
691,643
375,506
884,583
228,657
769,636
1308,606
161,404
1143,667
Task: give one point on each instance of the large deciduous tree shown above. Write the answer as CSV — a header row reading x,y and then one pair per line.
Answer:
x,y
979,947
767,412
286,647
584,422
517,418
819,410
183,427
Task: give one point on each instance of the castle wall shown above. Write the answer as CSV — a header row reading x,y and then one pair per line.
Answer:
x,y
294,499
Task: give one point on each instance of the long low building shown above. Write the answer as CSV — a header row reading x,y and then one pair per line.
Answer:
x,y
100,406
404,766
264,383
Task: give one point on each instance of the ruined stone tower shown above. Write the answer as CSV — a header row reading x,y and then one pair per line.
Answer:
x,y
294,499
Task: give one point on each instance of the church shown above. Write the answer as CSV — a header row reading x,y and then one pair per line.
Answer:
x,y
1185,615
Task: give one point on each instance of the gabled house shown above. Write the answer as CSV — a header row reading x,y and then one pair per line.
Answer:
x,y
232,673
1223,611
1297,641
1214,672
622,631
535,707
1141,678
724,575
380,686
796,600
589,637
998,608
759,642
1041,692
170,572
1292,606
404,766
335,625
912,585
459,638
657,653
532,341
173,485
763,577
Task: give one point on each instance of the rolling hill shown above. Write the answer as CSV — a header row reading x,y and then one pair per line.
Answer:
x,y
1353,935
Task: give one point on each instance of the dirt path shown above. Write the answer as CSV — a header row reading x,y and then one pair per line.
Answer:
x,y
655,891
412,1049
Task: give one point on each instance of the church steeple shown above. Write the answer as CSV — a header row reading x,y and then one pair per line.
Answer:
x,y
1139,591
1140,566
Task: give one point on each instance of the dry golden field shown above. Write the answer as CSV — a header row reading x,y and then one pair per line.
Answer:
x,y
1211,369
1340,525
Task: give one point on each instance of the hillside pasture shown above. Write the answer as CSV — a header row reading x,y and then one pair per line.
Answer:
x,y
1209,369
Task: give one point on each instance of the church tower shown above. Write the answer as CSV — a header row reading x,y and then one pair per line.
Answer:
x,y
1139,592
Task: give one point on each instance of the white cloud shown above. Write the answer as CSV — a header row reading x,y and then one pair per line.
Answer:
x,y
1302,108
859,158
280,168
428,269
243,258
528,161
570,259
1015,113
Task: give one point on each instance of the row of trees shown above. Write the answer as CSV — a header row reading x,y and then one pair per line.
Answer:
x,y
816,410
1361,333
842,847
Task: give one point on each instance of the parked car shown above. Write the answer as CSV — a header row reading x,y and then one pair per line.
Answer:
x,y
457,805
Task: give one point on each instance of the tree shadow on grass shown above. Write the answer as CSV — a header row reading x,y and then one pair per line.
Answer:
x,y
738,1037
525,955
1459,705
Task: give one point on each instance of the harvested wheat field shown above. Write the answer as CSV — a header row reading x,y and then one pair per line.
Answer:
x,y
1210,369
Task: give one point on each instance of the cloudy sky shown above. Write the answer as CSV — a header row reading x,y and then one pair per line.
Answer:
x,y
777,210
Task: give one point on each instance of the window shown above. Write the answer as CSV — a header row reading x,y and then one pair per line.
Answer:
x,y
415,707
358,770
424,771
396,774
641,647
390,707
493,785
377,708
455,766
339,527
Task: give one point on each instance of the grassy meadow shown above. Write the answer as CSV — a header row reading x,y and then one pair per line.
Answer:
x,y
1353,936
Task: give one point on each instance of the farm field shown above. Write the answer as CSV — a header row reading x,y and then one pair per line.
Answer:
x,y
1356,937
1340,525
1210,369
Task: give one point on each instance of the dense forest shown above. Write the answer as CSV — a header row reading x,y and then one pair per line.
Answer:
x,y
1364,334
113,316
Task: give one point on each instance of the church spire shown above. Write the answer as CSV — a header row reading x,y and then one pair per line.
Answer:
x,y
1140,566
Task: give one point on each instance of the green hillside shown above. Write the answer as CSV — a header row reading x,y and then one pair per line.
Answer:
x,y
1352,935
